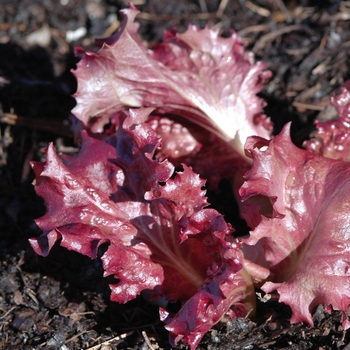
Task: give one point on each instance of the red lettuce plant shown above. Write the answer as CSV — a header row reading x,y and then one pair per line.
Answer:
x,y
160,236
304,235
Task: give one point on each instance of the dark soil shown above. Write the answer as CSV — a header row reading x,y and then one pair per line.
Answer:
x,y
62,302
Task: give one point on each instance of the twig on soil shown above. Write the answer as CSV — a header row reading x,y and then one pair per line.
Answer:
x,y
107,342
244,33
262,11
43,125
310,106
164,18
253,29
68,340
264,345
75,336
8,312
306,94
261,43
221,9
148,342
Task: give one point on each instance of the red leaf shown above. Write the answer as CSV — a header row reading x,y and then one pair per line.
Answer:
x,y
198,75
159,235
306,235
332,138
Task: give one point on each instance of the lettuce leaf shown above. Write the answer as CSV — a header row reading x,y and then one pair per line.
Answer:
x,y
298,208
160,236
197,75
332,138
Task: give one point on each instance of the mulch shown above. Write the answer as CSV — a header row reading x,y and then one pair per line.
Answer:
x,y
62,301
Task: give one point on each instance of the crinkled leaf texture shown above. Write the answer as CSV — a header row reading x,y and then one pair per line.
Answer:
x,y
159,235
332,138
305,232
207,154
197,75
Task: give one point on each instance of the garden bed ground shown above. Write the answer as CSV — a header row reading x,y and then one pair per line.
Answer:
x,y
62,301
